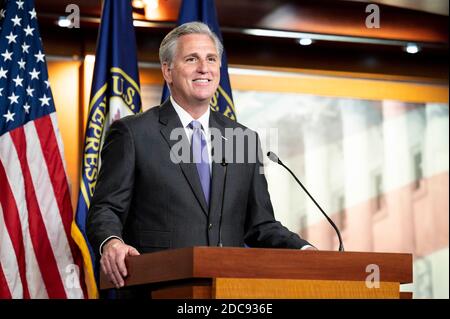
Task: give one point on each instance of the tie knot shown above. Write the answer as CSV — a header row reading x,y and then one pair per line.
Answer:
x,y
195,125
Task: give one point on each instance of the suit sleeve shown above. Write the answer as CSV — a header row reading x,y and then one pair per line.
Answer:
x,y
262,230
114,189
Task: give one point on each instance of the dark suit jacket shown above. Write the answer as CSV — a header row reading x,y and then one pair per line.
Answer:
x,y
155,204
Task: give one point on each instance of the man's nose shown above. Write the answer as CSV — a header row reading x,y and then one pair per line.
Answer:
x,y
202,66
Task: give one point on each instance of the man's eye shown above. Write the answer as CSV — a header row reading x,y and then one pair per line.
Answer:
x,y
191,59
212,59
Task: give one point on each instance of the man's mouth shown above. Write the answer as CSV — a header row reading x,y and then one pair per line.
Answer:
x,y
201,80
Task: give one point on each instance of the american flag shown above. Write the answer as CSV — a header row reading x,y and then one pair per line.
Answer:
x,y
38,258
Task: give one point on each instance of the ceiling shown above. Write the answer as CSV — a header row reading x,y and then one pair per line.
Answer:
x,y
329,17
250,7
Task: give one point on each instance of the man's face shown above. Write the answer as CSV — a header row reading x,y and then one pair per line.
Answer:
x,y
194,74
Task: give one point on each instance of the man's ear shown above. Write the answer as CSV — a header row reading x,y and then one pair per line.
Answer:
x,y
166,72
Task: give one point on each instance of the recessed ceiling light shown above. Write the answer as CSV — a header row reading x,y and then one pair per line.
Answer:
x,y
412,48
305,41
63,22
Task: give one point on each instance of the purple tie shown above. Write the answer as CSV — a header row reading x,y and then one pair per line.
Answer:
x,y
200,156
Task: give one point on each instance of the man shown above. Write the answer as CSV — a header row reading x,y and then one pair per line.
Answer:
x,y
147,200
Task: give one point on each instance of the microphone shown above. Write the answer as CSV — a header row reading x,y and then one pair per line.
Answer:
x,y
224,165
274,158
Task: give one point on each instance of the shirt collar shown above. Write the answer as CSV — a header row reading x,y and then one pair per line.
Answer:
x,y
186,118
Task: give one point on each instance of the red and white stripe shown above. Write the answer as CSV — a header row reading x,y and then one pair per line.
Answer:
x,y
37,254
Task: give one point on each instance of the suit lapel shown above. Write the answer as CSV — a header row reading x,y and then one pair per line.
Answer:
x,y
169,119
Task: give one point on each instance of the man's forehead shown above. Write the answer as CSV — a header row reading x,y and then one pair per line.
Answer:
x,y
196,44
196,40
190,36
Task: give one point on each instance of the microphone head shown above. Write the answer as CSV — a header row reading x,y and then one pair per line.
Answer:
x,y
273,157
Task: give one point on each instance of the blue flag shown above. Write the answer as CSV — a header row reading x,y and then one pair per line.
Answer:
x,y
205,11
115,93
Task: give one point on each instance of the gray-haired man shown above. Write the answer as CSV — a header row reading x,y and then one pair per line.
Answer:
x,y
145,202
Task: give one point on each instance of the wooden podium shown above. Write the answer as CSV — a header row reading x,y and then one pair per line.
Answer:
x,y
256,273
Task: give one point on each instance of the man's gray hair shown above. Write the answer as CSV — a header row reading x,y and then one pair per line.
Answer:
x,y
169,43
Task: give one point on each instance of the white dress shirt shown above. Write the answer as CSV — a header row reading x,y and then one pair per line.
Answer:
x,y
186,119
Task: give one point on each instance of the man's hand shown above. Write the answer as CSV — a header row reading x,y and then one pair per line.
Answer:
x,y
113,260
